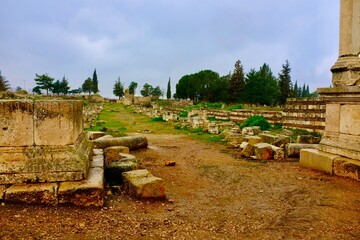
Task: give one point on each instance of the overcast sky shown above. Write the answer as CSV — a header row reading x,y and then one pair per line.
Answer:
x,y
148,41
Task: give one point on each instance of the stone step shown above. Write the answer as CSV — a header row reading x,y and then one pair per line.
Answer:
x,y
142,184
40,193
113,171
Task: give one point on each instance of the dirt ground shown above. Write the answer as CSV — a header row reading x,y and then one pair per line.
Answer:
x,y
211,195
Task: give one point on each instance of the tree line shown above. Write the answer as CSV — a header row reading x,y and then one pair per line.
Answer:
x,y
258,87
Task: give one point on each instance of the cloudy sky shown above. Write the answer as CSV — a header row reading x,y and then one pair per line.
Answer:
x,y
148,41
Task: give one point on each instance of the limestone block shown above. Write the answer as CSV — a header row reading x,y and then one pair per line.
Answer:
x,y
350,119
113,153
247,151
281,141
133,142
332,120
251,131
317,160
45,163
16,123
88,192
243,145
346,167
40,193
278,153
97,161
263,151
95,135
253,140
57,122
104,137
293,149
2,191
113,172
307,139
213,129
267,138
142,184
235,138
97,151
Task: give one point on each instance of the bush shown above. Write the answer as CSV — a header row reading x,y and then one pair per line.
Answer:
x,y
234,107
183,114
258,120
157,119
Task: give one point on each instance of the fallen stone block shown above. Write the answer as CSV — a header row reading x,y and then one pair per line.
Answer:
x,y
278,153
133,142
293,149
243,145
113,153
308,139
248,150
38,193
142,184
253,140
263,151
274,140
317,160
251,131
89,192
95,135
113,171
347,167
235,138
281,141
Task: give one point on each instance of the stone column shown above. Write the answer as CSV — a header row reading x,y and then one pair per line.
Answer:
x,y
346,71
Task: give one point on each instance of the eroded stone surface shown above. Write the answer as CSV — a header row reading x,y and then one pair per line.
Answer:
x,y
346,167
41,193
263,151
113,153
95,135
133,142
2,191
318,160
142,184
293,149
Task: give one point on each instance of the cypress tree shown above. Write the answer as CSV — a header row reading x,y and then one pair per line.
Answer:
x,y
95,82
237,83
285,82
168,92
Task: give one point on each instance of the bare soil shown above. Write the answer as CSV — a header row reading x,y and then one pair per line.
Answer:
x,y
211,195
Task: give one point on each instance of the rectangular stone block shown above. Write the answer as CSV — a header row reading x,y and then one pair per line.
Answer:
x,y
350,119
97,161
263,151
40,193
89,192
317,160
97,151
142,184
332,118
113,153
292,150
346,167
57,122
16,123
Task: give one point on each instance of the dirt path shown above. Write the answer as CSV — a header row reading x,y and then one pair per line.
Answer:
x,y
212,196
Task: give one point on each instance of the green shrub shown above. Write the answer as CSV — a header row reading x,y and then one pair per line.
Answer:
x,y
183,114
257,120
214,105
157,119
234,107
212,119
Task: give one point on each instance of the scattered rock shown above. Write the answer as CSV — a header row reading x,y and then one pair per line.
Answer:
x,y
114,153
251,131
308,139
247,151
170,163
263,151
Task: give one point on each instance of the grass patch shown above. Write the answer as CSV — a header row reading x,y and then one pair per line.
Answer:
x,y
157,119
234,107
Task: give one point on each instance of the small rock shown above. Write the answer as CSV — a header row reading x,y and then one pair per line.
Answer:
x,y
171,200
2,204
170,163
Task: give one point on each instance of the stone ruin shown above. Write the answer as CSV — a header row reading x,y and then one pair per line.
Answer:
x,y
47,158
339,149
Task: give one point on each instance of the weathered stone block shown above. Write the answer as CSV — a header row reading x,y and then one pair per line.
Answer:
x,y
142,184
16,123
253,140
113,172
251,131
95,135
235,138
317,160
346,167
36,164
133,142
97,161
97,151
247,151
62,119
308,139
332,124
263,151
41,193
281,141
89,192
113,153
350,119
293,149
278,153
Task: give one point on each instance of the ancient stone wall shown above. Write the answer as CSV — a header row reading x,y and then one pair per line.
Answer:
x,y
305,113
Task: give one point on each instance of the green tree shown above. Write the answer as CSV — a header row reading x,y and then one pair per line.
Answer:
x,y
118,88
236,83
261,87
44,82
61,87
168,91
95,82
285,83
147,90
88,86
296,90
156,92
132,88
4,84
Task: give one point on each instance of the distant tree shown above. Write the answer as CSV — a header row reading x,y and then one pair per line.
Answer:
x,y
156,92
61,87
147,90
236,83
262,87
285,83
88,86
132,88
18,88
36,90
168,91
95,82
221,89
4,84
44,82
296,90
118,89
75,91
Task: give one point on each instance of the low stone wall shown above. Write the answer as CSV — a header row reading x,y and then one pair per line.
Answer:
x,y
305,113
